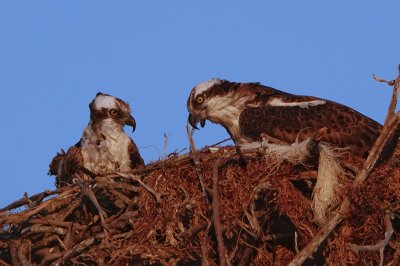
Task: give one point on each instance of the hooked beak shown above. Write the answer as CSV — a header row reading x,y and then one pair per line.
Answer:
x,y
131,122
194,120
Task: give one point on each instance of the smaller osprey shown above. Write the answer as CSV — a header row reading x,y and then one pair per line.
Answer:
x,y
104,147
250,110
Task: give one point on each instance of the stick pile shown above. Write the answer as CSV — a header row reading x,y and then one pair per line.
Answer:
x,y
208,208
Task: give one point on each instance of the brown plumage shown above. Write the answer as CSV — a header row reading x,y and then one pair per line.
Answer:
x,y
250,110
104,147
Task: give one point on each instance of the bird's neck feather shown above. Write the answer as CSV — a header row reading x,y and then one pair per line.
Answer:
x,y
226,109
105,147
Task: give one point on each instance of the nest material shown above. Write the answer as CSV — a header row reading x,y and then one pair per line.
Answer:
x,y
160,216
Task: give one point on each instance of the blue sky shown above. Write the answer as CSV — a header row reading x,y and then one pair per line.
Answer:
x,y
56,55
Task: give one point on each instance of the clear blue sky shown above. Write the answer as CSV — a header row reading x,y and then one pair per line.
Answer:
x,y
56,55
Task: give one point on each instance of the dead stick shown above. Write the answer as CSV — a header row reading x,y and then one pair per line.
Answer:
x,y
86,190
44,221
193,231
257,235
78,248
388,131
196,160
14,253
381,245
24,215
137,179
220,142
216,218
35,198
165,146
204,255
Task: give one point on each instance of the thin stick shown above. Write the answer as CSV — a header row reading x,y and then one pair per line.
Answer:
x,y
216,218
196,160
79,248
220,142
165,146
137,179
381,245
86,190
204,256
37,198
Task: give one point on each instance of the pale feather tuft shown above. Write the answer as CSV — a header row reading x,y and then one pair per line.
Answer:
x,y
105,101
326,193
306,104
202,87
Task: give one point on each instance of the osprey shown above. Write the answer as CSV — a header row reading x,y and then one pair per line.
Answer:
x,y
249,111
104,147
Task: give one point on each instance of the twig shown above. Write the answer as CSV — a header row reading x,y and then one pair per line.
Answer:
x,y
13,253
393,103
381,245
204,256
87,191
24,215
43,221
193,231
137,179
78,248
196,160
37,198
216,218
388,132
220,142
165,146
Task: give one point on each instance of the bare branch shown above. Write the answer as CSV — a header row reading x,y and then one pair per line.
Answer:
x,y
137,179
216,218
379,246
196,160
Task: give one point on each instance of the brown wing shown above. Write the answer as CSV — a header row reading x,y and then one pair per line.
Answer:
x,y
344,126
136,158
65,165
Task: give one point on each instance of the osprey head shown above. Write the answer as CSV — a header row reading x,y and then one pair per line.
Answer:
x,y
105,107
219,101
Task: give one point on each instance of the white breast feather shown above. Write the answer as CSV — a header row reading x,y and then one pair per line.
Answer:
x,y
226,110
106,156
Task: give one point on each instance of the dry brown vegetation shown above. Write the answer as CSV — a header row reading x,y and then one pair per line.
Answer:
x,y
209,208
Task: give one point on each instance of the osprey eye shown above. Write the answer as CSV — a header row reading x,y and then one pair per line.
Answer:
x,y
113,112
200,99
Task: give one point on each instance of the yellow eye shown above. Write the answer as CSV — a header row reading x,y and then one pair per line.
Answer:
x,y
113,112
200,99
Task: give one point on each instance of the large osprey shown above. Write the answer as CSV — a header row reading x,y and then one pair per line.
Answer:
x,y
104,147
250,110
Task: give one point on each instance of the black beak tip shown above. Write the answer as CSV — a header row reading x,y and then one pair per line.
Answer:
x,y
193,120
131,122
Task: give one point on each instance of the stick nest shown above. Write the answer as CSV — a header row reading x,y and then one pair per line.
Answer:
x,y
265,216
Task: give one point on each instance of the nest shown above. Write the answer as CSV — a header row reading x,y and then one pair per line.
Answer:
x,y
286,206
160,215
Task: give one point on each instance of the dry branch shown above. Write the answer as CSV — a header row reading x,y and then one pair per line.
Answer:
x,y
379,246
216,216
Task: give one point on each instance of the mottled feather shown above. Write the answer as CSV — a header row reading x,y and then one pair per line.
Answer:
x,y
250,110
104,147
